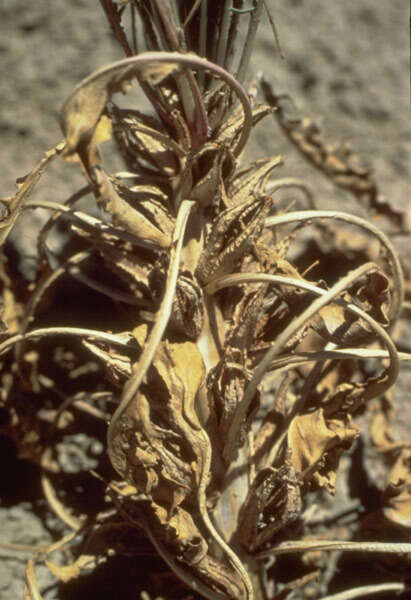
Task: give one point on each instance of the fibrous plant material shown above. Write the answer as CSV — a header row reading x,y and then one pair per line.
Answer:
x,y
229,378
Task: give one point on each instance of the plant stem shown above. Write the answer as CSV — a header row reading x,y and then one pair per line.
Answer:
x,y
325,298
312,545
75,331
367,590
397,273
154,339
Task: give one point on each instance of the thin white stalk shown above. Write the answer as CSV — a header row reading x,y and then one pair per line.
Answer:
x,y
367,590
31,589
397,274
90,223
101,82
40,290
57,507
192,12
292,182
325,297
312,545
203,41
156,334
291,361
75,331
392,354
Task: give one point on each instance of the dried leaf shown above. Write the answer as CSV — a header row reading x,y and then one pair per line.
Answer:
x,y
337,324
188,307
273,502
232,236
316,444
25,184
155,447
116,364
82,111
252,181
125,216
337,161
232,126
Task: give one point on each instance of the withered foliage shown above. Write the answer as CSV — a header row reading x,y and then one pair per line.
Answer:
x,y
229,374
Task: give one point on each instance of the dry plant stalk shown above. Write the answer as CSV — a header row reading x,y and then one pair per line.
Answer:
x,y
236,377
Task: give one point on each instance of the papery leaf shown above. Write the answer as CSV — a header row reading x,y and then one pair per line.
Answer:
x,y
211,161
82,110
346,397
226,384
273,502
244,326
102,133
316,443
188,307
181,540
227,381
375,297
253,181
25,184
158,447
11,310
134,270
139,138
148,202
160,450
232,126
233,234
116,364
126,216
335,323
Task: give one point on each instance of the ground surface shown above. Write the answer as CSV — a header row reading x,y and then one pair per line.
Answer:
x,y
347,63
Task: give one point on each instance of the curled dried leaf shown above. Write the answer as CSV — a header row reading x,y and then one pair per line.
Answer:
x,y
273,502
232,236
126,216
316,444
83,109
25,184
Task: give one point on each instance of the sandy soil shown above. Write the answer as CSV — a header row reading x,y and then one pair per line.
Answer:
x,y
347,65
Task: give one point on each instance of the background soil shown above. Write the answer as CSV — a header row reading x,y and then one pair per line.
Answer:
x,y
347,64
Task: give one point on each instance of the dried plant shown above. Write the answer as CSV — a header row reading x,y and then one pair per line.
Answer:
x,y
233,376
